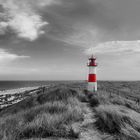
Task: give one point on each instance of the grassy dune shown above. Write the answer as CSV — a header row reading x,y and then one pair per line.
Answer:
x,y
68,111
46,115
117,110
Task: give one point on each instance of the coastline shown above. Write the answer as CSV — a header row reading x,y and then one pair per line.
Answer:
x,y
13,96
17,90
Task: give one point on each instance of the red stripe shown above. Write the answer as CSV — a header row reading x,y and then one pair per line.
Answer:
x,y
92,78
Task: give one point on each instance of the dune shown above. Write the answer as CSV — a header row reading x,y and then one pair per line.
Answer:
x,y
68,111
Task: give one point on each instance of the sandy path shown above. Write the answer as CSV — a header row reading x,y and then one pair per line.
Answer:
x,y
87,129
87,132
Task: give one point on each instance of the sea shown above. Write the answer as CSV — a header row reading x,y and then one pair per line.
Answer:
x,y
7,85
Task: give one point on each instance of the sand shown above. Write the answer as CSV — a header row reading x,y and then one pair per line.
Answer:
x,y
18,90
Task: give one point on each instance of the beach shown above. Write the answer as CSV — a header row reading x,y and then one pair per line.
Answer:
x,y
10,97
17,90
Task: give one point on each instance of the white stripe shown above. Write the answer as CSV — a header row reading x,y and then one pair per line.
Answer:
x,y
92,86
92,70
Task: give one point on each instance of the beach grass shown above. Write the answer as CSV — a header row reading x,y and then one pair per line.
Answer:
x,y
46,115
117,113
110,113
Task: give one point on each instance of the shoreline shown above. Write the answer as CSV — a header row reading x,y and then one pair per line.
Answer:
x,y
17,90
10,97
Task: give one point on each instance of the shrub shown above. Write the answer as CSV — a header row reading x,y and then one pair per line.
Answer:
x,y
94,101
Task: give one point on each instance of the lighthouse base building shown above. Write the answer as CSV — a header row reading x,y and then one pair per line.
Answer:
x,y
92,82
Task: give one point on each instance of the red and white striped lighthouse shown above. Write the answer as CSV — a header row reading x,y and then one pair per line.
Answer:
x,y
92,82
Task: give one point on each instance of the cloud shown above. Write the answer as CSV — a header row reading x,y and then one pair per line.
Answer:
x,y
27,26
8,67
115,47
16,70
43,3
83,38
7,57
22,18
103,15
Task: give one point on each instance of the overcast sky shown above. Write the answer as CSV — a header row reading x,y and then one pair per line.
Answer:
x,y
52,39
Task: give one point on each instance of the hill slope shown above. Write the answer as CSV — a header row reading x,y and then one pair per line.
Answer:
x,y
68,111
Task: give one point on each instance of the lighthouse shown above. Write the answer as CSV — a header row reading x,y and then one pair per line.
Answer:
x,y
92,82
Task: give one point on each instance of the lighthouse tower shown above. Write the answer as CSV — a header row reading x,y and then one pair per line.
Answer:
x,y
92,83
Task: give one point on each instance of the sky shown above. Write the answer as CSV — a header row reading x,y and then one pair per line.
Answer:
x,y
53,39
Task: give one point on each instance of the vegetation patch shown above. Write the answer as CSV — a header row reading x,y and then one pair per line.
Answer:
x,y
46,125
94,101
116,121
51,114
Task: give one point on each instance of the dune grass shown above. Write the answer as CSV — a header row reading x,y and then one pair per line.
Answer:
x,y
53,114
118,121
116,114
47,115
